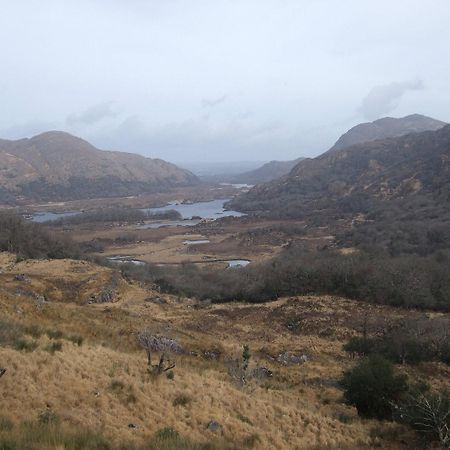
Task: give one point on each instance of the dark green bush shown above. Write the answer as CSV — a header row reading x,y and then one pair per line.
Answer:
x,y
408,341
55,334
54,347
25,345
181,400
407,281
167,433
32,240
76,339
373,386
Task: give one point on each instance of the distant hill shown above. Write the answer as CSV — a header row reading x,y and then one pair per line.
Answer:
x,y
58,166
356,178
267,172
386,127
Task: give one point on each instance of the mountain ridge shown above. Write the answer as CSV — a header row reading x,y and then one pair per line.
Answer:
x,y
56,165
267,172
380,170
386,127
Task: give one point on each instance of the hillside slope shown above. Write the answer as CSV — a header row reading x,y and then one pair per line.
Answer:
x,y
357,177
58,166
81,367
267,172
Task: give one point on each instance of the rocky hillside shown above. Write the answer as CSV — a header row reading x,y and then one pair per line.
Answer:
x,y
386,127
58,166
356,178
267,172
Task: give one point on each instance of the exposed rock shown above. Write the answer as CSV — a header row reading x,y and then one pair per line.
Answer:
x,y
288,358
156,300
262,373
20,277
212,354
213,425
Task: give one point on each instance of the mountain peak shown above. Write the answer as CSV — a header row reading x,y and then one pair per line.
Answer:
x,y
386,127
56,165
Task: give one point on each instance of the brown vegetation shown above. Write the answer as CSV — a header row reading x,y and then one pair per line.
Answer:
x,y
103,384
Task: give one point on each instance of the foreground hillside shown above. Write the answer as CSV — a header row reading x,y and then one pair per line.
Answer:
x,y
411,168
57,166
72,363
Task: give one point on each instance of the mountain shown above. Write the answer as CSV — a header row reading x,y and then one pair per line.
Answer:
x,y
267,172
385,128
58,166
356,178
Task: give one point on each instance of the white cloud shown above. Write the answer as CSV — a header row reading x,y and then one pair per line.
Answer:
x,y
382,100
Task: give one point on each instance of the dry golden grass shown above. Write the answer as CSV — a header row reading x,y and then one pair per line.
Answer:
x,y
104,385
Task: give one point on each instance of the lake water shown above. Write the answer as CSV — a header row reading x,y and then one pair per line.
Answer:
x,y
119,259
206,210
125,260
172,223
237,262
238,185
41,217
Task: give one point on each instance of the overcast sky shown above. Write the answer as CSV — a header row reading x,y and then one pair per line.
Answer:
x,y
219,80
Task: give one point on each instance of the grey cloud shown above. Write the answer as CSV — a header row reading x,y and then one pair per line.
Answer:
x,y
384,99
28,129
185,81
195,138
214,102
92,115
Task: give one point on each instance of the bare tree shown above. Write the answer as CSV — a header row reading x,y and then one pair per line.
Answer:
x,y
237,367
429,414
162,345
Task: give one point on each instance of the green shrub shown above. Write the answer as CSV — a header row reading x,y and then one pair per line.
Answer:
x,y
181,400
344,418
48,417
48,433
32,240
25,345
117,385
252,440
10,332
361,345
6,424
167,433
33,330
244,419
55,334
76,339
54,347
170,375
373,387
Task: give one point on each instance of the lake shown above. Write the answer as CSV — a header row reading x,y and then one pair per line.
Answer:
x,y
45,216
206,210
196,241
237,262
